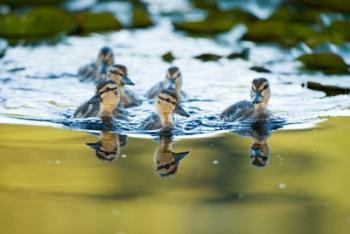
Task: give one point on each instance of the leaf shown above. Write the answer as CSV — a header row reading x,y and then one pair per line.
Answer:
x,y
206,57
168,57
330,90
95,22
141,18
328,62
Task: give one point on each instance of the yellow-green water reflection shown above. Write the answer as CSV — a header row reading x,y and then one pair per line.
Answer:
x,y
51,182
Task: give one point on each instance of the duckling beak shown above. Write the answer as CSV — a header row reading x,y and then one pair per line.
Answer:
x,y
255,152
104,68
95,146
171,85
180,111
257,98
127,81
179,156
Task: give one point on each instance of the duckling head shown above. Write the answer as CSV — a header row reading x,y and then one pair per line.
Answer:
x,y
259,154
108,93
119,74
166,161
173,79
167,103
260,93
105,58
107,148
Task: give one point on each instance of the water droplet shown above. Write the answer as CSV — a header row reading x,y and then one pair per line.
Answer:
x,y
57,161
116,211
281,185
215,162
124,156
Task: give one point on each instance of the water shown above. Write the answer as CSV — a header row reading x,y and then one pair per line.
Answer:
x,y
52,182
39,82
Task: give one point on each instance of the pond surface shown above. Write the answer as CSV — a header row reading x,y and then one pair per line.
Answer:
x,y
39,82
51,182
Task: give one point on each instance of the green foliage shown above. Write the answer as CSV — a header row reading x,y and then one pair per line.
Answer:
x,y
206,57
330,90
94,22
168,57
260,69
284,33
39,22
340,28
21,3
328,62
294,15
208,26
329,5
141,18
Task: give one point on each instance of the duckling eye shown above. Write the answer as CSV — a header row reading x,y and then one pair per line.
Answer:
x,y
266,86
167,99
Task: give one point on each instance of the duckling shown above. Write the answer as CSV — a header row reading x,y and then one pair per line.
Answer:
x,y
167,103
256,109
172,81
103,104
259,150
97,70
119,74
108,145
166,161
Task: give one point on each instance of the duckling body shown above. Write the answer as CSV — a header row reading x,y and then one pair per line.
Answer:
x,y
254,110
173,81
103,104
166,105
96,71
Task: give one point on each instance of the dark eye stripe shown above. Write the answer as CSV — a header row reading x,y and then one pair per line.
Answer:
x,y
265,87
116,72
167,100
107,90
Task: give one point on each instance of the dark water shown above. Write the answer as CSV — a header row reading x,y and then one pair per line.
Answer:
x,y
52,182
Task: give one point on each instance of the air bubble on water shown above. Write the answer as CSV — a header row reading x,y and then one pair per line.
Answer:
x,y
116,211
57,161
215,162
281,185
124,156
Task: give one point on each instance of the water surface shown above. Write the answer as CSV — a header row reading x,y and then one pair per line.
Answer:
x,y
52,182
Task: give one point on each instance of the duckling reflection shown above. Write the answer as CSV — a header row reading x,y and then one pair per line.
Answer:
x,y
259,150
173,81
108,146
166,162
97,70
254,110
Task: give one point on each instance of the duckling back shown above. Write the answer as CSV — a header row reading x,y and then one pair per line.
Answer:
x,y
238,111
88,109
153,122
